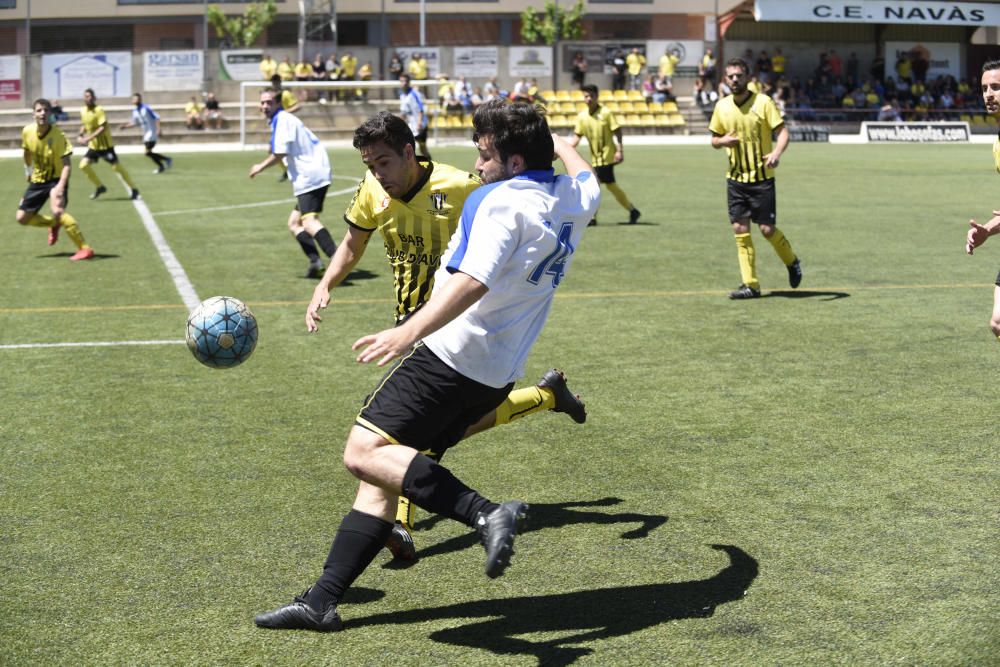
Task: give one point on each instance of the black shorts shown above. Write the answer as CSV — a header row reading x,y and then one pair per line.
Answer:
x,y
605,174
149,145
423,403
752,201
421,136
108,155
38,193
312,201
998,280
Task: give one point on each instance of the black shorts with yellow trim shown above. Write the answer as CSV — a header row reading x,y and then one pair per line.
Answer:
x,y
423,403
106,154
38,193
312,201
757,202
605,173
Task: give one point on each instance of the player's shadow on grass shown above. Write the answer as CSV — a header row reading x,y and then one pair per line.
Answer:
x,y
582,617
61,255
807,294
357,274
544,515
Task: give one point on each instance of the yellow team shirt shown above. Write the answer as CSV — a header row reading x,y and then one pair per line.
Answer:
x,y
753,122
93,119
268,68
599,129
417,68
668,64
288,99
348,66
778,64
754,86
303,71
365,73
193,108
285,71
635,62
47,152
415,229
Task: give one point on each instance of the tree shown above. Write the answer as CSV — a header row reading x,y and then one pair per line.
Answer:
x,y
552,24
243,30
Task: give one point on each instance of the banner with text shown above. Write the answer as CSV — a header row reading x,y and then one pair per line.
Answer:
x,y
67,75
915,133
478,61
10,77
172,70
240,65
530,61
877,11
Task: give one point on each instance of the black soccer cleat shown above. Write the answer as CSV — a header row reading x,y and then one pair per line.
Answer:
x,y
300,616
98,192
496,531
744,292
400,544
135,194
592,223
315,269
633,216
566,401
794,273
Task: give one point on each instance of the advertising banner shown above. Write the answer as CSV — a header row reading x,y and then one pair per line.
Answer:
x,y
240,65
915,133
10,77
67,75
530,61
478,61
172,70
919,12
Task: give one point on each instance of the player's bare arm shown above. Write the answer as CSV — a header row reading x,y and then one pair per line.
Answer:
x,y
573,140
978,233
57,196
772,158
27,164
457,295
566,151
728,140
272,159
619,146
348,254
85,139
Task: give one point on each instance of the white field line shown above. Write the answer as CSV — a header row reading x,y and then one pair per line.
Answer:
x,y
273,202
28,346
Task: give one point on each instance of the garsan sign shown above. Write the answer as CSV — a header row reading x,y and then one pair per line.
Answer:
x,y
881,11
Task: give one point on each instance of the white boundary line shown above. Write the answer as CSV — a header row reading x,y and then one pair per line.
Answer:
x,y
27,346
273,202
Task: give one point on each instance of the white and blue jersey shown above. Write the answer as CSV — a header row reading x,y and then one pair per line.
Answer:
x,y
305,157
517,237
413,111
146,118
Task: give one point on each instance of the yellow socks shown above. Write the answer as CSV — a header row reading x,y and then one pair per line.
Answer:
x,y
41,220
72,230
117,166
522,402
782,247
748,267
620,195
88,169
405,512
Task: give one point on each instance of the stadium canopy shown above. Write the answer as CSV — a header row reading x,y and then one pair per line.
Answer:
x,y
914,12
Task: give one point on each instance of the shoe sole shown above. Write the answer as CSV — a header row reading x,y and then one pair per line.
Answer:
x,y
499,561
400,548
566,401
291,621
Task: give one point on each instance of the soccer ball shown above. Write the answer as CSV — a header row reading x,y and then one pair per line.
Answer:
x,y
221,332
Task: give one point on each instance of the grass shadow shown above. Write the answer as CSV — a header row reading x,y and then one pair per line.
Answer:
x,y
582,617
807,294
60,255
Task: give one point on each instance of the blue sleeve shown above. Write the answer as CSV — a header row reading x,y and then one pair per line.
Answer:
x,y
469,210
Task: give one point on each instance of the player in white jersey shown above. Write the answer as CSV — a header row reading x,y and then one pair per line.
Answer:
x,y
149,121
414,112
495,288
309,170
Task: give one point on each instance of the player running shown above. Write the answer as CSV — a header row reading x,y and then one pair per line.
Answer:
x,y
47,159
144,116
415,205
309,169
96,136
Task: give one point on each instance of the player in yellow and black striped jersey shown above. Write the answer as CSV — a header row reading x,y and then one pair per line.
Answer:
x,y
415,204
47,159
743,123
95,134
604,136
978,234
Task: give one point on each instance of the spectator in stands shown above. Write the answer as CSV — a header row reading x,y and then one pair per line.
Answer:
x,y
213,113
704,96
418,67
823,68
193,111
836,64
779,63
365,73
490,89
877,69
476,98
320,73
668,65
58,114
289,102
268,67
303,72
890,112
664,90
395,67
285,69
635,63
904,68
764,66
619,70
706,68
579,69
520,91
533,92
920,64
452,105
348,67
852,70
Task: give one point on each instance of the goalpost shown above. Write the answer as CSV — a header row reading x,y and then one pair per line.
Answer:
x,y
381,86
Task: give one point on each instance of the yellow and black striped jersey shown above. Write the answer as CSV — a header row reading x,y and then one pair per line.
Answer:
x,y
753,122
996,152
416,228
93,119
599,129
47,152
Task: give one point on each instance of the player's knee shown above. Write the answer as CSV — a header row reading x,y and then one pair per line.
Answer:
x,y
995,324
84,163
357,455
767,231
23,217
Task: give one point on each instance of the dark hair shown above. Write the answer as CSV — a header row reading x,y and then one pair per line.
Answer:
x,y
44,102
91,91
139,95
517,128
739,62
591,89
387,128
991,65
273,91
275,79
